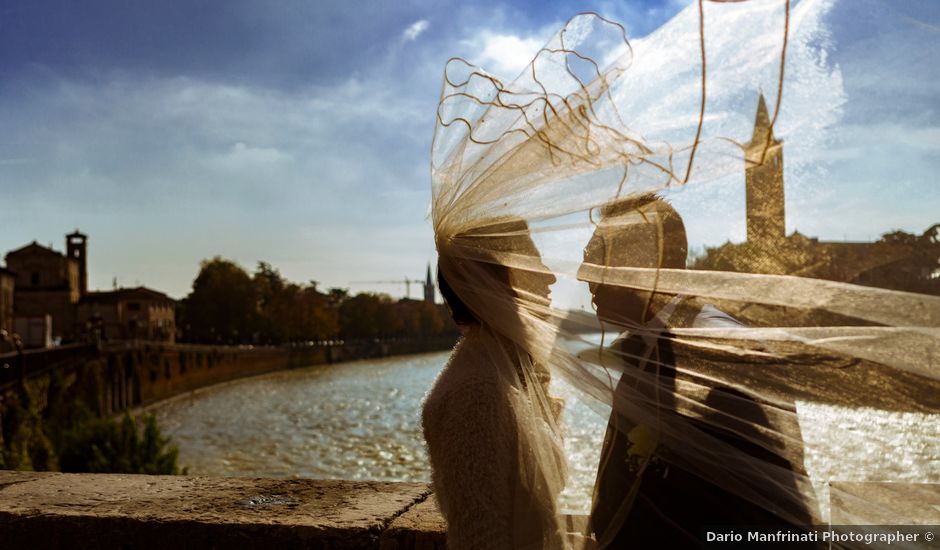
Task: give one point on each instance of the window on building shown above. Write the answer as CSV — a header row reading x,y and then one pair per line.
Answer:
x,y
133,306
34,278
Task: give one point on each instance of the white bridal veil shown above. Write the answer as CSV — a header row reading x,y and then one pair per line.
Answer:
x,y
821,401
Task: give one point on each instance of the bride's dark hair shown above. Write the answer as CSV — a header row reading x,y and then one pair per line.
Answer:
x,y
458,309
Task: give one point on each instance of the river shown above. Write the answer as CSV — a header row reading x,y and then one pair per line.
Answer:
x,y
359,420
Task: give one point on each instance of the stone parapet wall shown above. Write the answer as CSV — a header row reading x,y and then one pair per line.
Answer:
x,y
165,371
51,510
125,375
41,510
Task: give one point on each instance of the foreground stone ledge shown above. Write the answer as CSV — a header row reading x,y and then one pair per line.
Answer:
x,y
52,510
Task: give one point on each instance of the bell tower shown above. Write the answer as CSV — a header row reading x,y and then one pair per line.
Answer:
x,y
76,249
766,223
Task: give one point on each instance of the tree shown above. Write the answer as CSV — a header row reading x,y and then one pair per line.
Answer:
x,y
419,319
794,255
290,312
320,320
273,292
368,315
223,306
229,306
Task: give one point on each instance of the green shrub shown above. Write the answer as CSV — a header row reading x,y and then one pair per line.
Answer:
x,y
106,445
24,444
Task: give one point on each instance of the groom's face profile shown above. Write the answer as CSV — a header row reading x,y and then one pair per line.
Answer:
x,y
636,246
654,239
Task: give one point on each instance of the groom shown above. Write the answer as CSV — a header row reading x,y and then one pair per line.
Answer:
x,y
641,495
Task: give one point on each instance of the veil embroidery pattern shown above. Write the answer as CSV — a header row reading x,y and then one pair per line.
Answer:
x,y
729,368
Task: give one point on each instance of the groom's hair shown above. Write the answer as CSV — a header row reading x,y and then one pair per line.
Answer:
x,y
651,209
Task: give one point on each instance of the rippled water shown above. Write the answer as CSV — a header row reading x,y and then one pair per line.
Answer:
x,y
358,420
863,444
361,421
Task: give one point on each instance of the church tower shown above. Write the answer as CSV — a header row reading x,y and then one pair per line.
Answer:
x,y
76,248
429,287
766,223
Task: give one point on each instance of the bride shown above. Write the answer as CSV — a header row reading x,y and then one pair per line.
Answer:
x,y
489,413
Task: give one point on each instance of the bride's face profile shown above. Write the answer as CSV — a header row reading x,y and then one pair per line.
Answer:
x,y
517,264
532,285
509,270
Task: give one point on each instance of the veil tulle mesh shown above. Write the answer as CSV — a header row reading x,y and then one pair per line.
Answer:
x,y
580,147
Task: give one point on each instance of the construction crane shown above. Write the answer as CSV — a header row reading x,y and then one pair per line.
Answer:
x,y
407,282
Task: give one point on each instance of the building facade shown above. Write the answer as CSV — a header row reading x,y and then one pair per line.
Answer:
x,y
129,314
50,283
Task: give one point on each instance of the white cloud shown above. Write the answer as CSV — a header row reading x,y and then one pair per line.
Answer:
x,y
241,157
414,30
504,55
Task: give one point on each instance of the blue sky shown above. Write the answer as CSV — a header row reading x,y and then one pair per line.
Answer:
x,y
298,133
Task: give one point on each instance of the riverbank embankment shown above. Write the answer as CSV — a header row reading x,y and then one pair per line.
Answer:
x,y
116,376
